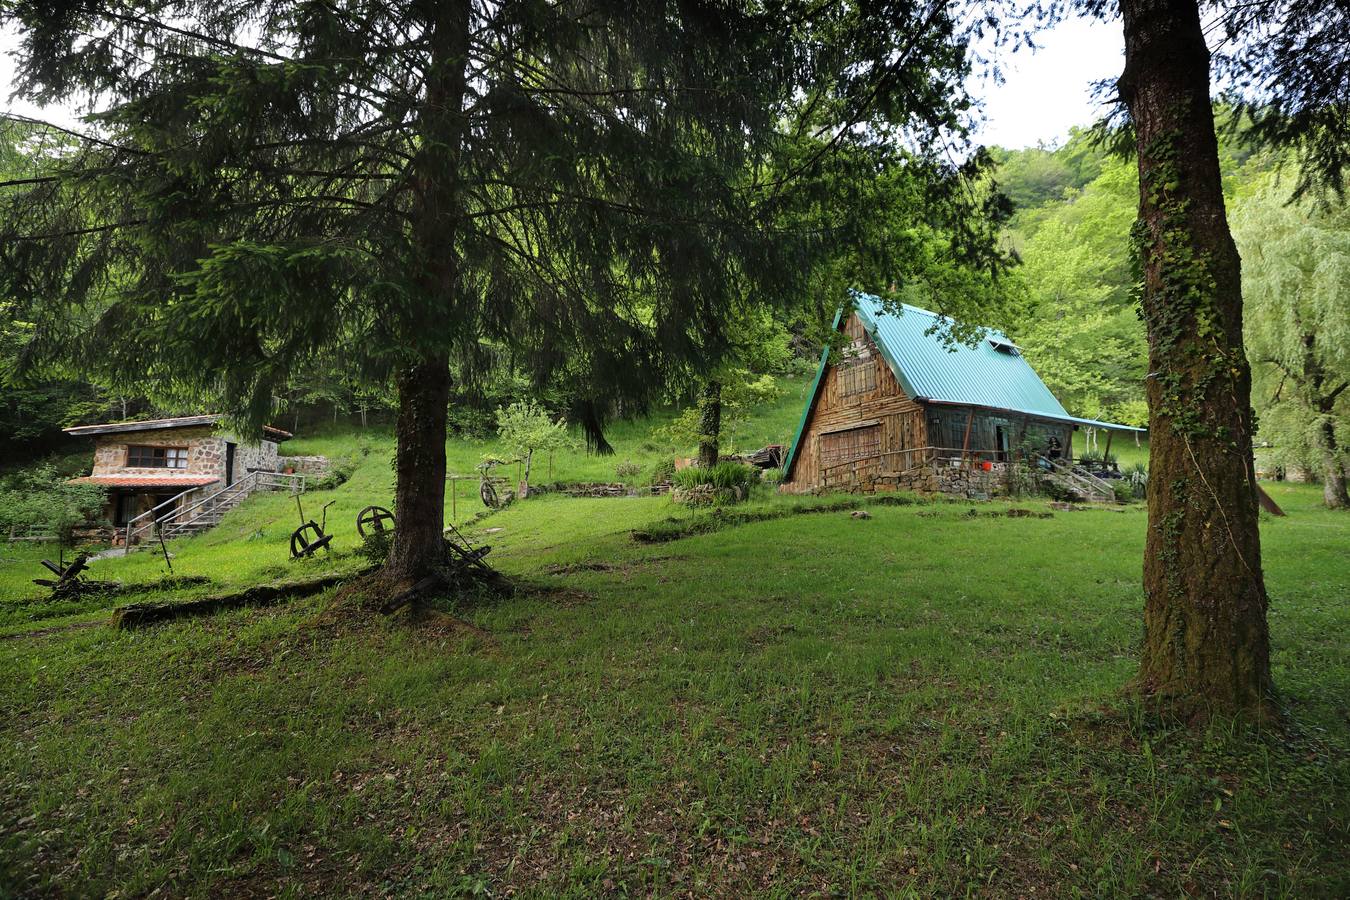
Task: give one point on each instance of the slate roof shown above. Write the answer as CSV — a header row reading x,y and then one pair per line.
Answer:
x,y
271,433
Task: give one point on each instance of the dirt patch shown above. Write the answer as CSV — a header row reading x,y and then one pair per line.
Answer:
x,y
1014,513
55,629
570,568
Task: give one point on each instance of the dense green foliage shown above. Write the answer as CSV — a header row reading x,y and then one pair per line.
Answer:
x,y
1079,324
1296,290
39,500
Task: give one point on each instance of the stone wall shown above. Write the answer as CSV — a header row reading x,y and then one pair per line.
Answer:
x,y
970,482
313,466
259,457
205,446
206,451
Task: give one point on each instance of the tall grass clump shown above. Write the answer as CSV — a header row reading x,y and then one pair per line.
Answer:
x,y
725,476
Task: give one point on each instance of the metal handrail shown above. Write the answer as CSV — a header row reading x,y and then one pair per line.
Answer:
x,y
252,480
237,487
1091,482
131,530
924,454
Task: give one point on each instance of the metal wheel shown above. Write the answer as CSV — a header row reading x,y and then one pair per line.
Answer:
x,y
374,518
488,493
307,539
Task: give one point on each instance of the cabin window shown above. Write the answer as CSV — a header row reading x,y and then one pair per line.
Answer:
x,y
157,457
854,443
857,377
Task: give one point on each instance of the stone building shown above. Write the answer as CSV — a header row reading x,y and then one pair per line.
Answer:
x,y
146,464
900,408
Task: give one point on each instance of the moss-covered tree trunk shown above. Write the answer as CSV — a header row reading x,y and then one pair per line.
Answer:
x,y
709,424
424,387
1206,645
419,493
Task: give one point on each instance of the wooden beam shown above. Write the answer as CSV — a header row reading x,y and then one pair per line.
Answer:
x,y
1107,452
1268,504
965,442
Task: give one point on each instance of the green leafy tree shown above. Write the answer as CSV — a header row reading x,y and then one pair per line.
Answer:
x,y
525,428
1296,285
738,393
1082,338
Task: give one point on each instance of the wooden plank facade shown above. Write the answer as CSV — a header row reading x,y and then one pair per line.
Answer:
x,y
864,431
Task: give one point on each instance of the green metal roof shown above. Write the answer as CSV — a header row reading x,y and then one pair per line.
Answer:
x,y
931,370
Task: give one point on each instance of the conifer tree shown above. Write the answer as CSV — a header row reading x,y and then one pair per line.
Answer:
x,y
583,187
1206,641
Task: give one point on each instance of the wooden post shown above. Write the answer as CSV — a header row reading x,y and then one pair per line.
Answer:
x,y
1107,451
965,442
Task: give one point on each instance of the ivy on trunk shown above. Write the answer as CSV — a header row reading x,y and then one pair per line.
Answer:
x,y
1206,645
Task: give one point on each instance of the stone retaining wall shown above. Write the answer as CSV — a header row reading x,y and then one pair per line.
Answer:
x,y
312,466
604,489
954,481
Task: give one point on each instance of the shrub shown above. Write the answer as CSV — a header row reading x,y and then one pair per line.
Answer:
x,y
627,471
722,477
726,482
1137,477
662,472
40,499
339,470
376,546
772,476
1095,459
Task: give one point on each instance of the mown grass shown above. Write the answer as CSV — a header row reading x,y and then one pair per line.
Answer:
x,y
923,703
251,544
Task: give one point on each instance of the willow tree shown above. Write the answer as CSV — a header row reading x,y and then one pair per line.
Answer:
x,y
1296,286
415,183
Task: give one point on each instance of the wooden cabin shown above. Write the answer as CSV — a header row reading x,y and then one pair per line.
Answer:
x,y
900,408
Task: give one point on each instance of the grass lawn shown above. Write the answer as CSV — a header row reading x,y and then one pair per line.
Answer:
x,y
923,703
251,543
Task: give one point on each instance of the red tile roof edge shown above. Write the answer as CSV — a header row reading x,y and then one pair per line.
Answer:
x,y
185,481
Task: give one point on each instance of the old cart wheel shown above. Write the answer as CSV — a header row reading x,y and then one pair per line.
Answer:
x,y
307,539
374,518
488,493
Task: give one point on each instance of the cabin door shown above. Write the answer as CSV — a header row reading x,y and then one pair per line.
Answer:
x,y
229,462
1001,442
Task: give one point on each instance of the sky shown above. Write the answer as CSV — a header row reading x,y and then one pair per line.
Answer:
x,y
1046,91
1049,89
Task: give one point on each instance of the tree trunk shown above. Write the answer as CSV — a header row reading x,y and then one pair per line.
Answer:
x,y
1333,469
424,386
1206,645
1312,381
710,424
419,496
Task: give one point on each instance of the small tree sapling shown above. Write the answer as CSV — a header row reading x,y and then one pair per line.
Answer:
x,y
525,427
